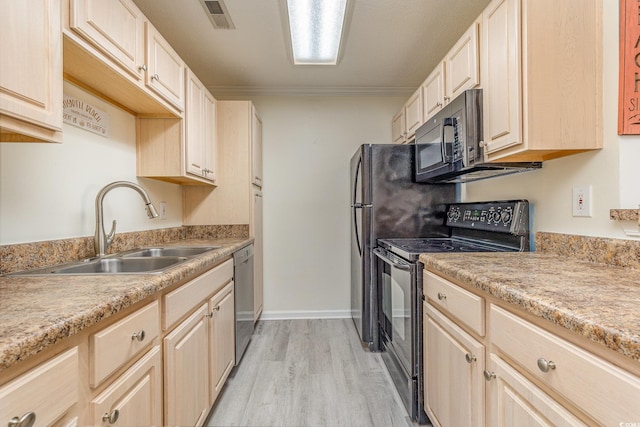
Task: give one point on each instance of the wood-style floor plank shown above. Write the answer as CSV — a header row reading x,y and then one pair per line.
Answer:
x,y
309,373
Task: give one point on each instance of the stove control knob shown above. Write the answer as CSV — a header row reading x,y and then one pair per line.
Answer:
x,y
506,216
454,214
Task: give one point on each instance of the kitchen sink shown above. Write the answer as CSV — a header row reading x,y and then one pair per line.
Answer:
x,y
121,265
171,251
109,265
136,261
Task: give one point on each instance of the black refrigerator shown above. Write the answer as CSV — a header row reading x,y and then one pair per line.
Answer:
x,y
386,203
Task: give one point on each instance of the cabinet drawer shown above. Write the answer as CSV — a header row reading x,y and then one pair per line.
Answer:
x,y
462,304
48,390
608,394
181,301
114,346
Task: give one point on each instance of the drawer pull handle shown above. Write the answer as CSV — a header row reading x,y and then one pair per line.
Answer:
x,y
488,376
138,336
155,77
143,67
470,358
111,417
546,365
441,296
27,420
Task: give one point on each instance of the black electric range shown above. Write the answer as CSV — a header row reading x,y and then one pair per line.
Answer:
x,y
501,226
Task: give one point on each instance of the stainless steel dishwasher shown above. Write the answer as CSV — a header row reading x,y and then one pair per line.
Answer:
x,y
243,279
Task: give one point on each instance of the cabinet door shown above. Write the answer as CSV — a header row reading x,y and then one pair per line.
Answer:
x,y
413,113
398,127
453,373
209,138
194,127
186,380
116,27
433,92
135,397
256,147
31,85
515,401
463,64
165,75
501,74
258,281
222,339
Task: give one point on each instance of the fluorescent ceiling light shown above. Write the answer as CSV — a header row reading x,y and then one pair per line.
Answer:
x,y
316,30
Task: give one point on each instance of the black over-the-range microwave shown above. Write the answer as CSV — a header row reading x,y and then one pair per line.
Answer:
x,y
448,145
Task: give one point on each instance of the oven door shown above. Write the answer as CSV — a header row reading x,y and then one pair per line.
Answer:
x,y
396,278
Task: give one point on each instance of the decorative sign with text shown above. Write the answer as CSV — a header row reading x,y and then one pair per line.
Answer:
x,y
78,113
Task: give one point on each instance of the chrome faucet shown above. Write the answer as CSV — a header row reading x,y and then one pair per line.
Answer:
x,y
102,241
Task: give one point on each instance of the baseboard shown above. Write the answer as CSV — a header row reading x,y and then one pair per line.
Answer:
x,y
310,314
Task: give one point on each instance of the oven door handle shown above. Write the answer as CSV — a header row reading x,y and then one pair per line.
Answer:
x,y
399,264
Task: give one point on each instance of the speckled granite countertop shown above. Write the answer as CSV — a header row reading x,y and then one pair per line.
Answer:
x,y
597,301
39,311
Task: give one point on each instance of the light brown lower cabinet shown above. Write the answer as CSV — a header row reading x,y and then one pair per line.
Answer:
x,y
135,398
163,361
454,361
48,393
532,376
186,351
222,339
516,401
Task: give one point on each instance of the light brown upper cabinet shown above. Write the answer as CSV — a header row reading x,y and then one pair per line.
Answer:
x,y
398,127
541,64
457,72
31,86
112,50
256,147
182,151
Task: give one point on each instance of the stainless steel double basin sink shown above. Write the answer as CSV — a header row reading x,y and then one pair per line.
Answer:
x,y
136,261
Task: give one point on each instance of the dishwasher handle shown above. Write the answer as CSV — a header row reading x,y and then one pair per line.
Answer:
x,y
393,260
243,255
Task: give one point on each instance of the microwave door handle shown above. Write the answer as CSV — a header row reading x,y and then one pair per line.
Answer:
x,y
447,122
382,254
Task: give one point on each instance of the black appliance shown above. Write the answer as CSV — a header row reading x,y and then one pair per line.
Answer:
x,y
474,227
449,145
385,202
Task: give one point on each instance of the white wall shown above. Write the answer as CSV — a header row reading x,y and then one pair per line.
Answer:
x,y
308,144
48,191
612,172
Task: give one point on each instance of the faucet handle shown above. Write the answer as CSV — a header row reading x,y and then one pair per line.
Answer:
x,y
111,235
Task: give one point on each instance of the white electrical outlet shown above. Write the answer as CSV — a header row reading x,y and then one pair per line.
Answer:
x,y
163,210
581,201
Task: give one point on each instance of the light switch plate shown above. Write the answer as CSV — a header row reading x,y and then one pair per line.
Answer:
x,y
581,201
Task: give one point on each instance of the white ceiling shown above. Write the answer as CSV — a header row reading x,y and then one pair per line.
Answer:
x,y
389,46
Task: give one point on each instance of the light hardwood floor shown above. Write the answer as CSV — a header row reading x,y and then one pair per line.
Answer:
x,y
309,373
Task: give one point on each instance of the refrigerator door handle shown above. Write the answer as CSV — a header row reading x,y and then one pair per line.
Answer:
x,y
360,206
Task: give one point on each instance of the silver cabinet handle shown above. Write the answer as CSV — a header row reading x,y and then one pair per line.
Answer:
x,y
111,417
441,296
482,144
446,98
27,420
143,67
155,77
470,358
488,376
195,165
209,315
138,336
546,365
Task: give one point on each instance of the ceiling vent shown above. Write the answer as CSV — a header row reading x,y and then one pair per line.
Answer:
x,y
218,14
